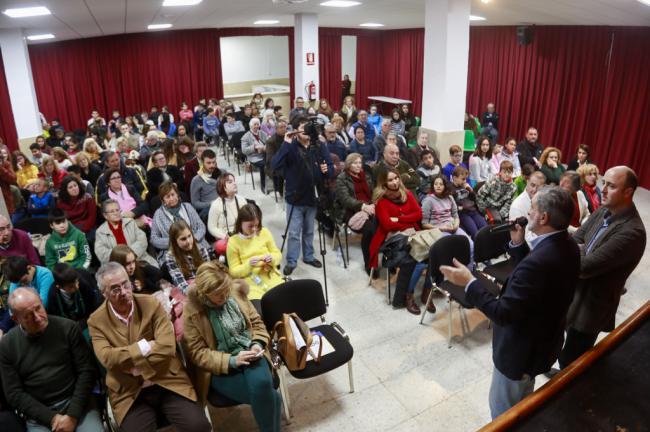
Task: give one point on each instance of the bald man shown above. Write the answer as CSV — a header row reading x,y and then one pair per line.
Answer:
x,y
392,159
612,242
15,242
47,368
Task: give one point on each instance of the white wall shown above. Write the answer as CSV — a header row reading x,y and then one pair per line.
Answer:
x,y
252,58
349,56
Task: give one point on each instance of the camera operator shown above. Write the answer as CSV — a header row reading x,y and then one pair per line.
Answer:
x,y
304,163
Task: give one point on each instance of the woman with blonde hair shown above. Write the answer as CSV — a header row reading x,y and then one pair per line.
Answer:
x,y
396,210
90,170
589,179
184,255
225,341
348,108
92,150
551,162
61,157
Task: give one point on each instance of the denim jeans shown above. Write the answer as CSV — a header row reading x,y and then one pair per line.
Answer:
x,y
506,393
471,222
301,224
90,421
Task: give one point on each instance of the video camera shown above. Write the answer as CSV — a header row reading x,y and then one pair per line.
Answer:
x,y
313,128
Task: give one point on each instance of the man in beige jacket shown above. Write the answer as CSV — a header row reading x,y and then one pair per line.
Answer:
x,y
134,340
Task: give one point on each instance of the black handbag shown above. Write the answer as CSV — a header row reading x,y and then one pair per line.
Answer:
x,y
394,250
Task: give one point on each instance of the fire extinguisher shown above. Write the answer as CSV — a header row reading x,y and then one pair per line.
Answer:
x,y
310,89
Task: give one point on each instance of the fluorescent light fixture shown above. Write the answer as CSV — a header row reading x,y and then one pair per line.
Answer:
x,y
27,12
486,1
181,2
476,18
340,3
158,26
371,25
645,2
265,22
41,37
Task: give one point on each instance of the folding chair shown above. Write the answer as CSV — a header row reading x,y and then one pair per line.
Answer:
x,y
488,246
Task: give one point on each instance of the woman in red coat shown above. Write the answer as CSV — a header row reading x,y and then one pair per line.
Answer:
x,y
51,172
77,204
396,210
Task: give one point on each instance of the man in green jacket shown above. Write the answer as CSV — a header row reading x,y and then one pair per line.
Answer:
x,y
391,159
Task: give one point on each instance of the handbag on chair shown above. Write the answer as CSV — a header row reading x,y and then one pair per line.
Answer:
x,y
294,341
422,241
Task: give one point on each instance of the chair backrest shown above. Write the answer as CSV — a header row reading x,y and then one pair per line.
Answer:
x,y
304,297
488,245
445,250
34,226
235,140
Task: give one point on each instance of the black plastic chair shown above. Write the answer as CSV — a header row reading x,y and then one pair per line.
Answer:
x,y
235,146
442,253
488,246
305,298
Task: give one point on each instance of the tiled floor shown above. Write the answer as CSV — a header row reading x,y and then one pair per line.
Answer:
x,y
406,379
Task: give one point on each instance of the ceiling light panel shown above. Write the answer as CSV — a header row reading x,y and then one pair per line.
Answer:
x,y
158,26
340,3
171,3
27,12
41,37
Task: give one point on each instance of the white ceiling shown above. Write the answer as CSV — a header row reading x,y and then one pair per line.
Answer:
x,y
72,19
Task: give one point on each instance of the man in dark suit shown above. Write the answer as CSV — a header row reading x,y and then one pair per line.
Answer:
x,y
612,242
530,315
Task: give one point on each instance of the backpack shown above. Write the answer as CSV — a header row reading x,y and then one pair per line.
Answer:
x,y
294,341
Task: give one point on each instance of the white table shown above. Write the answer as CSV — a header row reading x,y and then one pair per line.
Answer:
x,y
388,99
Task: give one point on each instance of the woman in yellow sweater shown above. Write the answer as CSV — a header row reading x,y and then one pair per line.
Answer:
x,y
252,253
26,171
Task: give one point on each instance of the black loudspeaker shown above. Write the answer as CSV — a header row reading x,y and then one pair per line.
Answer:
x,y
524,35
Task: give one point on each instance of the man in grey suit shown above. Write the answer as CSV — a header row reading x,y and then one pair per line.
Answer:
x,y
612,242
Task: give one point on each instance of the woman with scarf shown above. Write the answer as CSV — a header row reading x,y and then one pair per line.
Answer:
x,y
589,180
253,254
224,212
130,202
354,199
225,341
398,212
184,256
172,210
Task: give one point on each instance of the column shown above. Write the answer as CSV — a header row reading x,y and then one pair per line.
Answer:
x,y
446,52
306,54
20,83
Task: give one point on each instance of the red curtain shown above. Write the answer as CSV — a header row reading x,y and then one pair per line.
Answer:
x,y
575,84
329,61
267,31
390,63
7,124
127,72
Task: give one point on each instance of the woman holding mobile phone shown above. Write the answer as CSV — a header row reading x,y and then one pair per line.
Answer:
x,y
225,340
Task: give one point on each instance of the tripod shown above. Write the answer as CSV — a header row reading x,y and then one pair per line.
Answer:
x,y
313,146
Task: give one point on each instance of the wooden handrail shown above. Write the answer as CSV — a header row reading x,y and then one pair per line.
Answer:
x,y
536,399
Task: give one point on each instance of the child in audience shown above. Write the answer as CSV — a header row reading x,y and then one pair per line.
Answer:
x,y
471,221
429,168
66,243
184,255
41,201
252,253
73,297
509,152
499,192
496,157
480,168
21,273
142,275
211,126
522,180
439,209
456,155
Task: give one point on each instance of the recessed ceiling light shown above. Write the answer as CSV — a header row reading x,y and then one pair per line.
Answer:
x,y
41,37
645,2
340,3
158,26
27,12
486,1
476,18
371,25
181,2
265,22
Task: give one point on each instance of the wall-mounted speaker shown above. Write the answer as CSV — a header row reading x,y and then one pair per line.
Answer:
x,y
524,35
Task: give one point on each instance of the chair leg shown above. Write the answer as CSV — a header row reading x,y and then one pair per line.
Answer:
x,y
388,285
449,307
351,376
252,175
285,395
347,248
424,311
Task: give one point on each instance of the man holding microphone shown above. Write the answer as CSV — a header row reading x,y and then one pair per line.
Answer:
x,y
530,315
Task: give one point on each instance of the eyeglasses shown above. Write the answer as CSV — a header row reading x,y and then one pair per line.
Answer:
x,y
118,288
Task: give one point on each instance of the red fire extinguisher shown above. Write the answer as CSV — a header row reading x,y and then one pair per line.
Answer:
x,y
310,89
